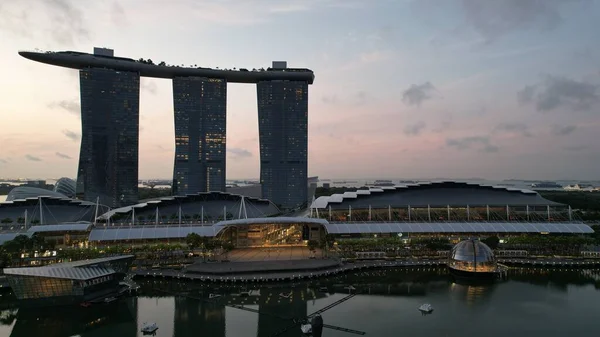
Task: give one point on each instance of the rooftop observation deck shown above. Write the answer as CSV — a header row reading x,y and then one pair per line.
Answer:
x,y
146,68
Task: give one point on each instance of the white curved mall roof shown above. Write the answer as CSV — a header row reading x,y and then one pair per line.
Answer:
x,y
26,192
323,201
157,202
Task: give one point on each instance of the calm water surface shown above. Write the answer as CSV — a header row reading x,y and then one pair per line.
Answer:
x,y
531,303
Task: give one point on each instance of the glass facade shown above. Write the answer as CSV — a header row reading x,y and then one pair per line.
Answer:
x,y
200,134
283,136
30,288
472,256
108,160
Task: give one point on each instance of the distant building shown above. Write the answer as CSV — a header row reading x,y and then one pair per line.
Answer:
x,y
283,136
70,282
110,121
36,183
200,134
65,186
108,160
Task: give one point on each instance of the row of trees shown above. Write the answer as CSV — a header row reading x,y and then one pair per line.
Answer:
x,y
20,221
11,251
206,244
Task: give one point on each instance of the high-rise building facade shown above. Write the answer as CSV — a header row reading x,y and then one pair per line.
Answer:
x,y
108,160
283,137
200,134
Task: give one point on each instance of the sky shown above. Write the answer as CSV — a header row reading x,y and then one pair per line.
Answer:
x,y
403,89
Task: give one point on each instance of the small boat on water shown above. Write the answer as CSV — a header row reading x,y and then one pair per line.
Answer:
x,y
426,308
149,328
285,295
306,328
211,296
110,299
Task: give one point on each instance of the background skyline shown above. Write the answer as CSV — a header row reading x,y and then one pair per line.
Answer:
x,y
460,89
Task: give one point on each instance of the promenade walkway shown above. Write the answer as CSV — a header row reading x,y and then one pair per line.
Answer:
x,y
279,276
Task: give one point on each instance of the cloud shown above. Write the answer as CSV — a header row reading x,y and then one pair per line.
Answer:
x,y
362,97
556,92
63,156
329,99
149,86
57,20
518,128
525,95
418,93
72,135
251,12
72,107
375,56
563,130
577,148
32,158
237,152
414,129
3,161
493,19
481,143
560,91
117,14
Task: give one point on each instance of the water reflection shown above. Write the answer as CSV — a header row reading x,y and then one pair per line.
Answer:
x,y
388,301
104,320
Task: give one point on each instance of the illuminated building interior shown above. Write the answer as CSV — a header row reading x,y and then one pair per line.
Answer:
x,y
472,256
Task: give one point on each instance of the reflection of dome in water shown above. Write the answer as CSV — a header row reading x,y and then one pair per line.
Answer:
x,y
472,256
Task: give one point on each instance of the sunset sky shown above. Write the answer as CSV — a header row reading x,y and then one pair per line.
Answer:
x,y
403,89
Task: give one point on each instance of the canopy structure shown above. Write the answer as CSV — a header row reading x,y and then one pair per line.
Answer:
x,y
78,270
179,232
434,194
458,227
65,227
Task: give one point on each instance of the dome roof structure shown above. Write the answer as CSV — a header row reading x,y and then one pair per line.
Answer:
x,y
24,192
472,256
65,186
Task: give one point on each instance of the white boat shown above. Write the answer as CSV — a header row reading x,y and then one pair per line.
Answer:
x,y
426,308
306,328
148,328
285,295
110,299
214,296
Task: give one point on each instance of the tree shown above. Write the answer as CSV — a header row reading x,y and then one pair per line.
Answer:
x,y
6,220
491,241
193,240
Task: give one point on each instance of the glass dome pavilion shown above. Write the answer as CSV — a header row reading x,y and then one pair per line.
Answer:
x,y
472,256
